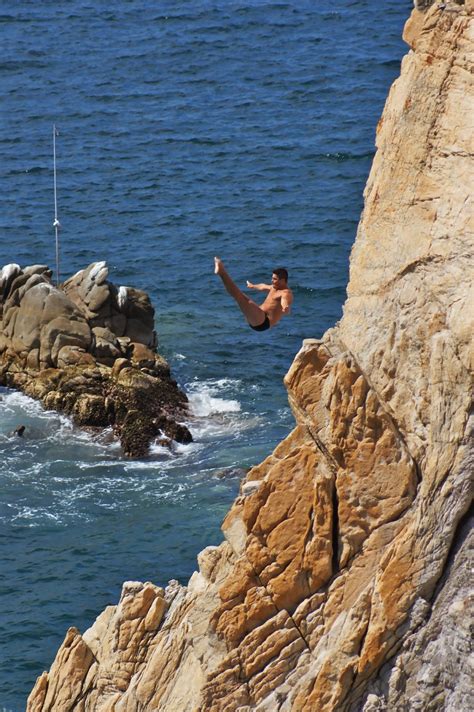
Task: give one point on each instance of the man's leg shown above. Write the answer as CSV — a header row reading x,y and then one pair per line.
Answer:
x,y
252,312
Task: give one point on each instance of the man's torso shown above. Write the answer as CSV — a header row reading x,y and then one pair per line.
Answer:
x,y
272,304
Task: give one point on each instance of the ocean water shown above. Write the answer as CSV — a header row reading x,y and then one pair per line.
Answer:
x,y
239,128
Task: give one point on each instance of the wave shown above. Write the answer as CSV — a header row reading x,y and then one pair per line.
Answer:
x,y
205,398
35,516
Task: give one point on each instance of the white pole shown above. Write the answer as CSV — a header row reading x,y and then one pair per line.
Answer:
x,y
56,223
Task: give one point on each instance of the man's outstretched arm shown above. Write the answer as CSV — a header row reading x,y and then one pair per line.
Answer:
x,y
286,300
261,287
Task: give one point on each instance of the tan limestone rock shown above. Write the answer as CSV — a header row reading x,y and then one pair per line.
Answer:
x,y
65,682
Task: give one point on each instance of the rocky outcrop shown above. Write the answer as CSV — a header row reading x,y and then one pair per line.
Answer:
x,y
89,349
341,584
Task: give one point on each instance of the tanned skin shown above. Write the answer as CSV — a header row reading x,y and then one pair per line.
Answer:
x,y
277,303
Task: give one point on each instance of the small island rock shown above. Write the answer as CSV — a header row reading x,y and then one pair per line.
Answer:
x,y
88,349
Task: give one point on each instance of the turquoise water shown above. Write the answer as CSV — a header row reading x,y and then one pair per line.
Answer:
x,y
243,129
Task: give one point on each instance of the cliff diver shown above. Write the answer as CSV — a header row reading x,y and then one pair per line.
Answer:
x,y
276,304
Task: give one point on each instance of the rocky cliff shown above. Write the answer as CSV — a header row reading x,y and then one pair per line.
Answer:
x,y
342,583
88,349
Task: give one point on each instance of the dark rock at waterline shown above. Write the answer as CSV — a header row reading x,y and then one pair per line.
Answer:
x,y
88,349
231,473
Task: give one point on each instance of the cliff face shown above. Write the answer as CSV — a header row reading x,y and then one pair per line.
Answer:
x,y
342,581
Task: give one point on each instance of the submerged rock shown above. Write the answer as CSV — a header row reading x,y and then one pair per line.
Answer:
x,y
88,349
343,580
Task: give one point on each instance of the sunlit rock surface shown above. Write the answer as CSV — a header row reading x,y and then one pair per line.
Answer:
x,y
343,583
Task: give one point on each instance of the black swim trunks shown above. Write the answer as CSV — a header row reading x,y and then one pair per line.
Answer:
x,y
263,326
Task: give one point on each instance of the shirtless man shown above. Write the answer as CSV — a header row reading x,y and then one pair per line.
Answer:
x,y
277,302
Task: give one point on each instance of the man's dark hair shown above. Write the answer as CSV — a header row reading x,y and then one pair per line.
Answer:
x,y
281,272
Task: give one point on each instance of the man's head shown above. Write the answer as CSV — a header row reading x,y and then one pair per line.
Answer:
x,y
279,278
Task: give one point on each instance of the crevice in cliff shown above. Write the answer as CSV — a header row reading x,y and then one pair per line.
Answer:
x,y
300,633
395,426
309,536
335,529
334,469
332,464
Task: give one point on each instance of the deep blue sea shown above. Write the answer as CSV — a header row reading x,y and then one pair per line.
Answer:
x,y
189,129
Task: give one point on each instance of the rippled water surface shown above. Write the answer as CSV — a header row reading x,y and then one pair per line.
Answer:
x,y
243,129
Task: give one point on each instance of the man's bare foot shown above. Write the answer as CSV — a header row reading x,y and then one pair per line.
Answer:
x,y
218,266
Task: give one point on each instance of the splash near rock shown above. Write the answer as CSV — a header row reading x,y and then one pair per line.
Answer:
x,y
342,583
88,349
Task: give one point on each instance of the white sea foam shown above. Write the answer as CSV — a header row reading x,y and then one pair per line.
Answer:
x,y
15,400
216,411
167,456
35,516
204,404
205,397
223,425
37,468
99,464
209,428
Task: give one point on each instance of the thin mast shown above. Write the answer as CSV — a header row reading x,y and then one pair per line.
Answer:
x,y
56,223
